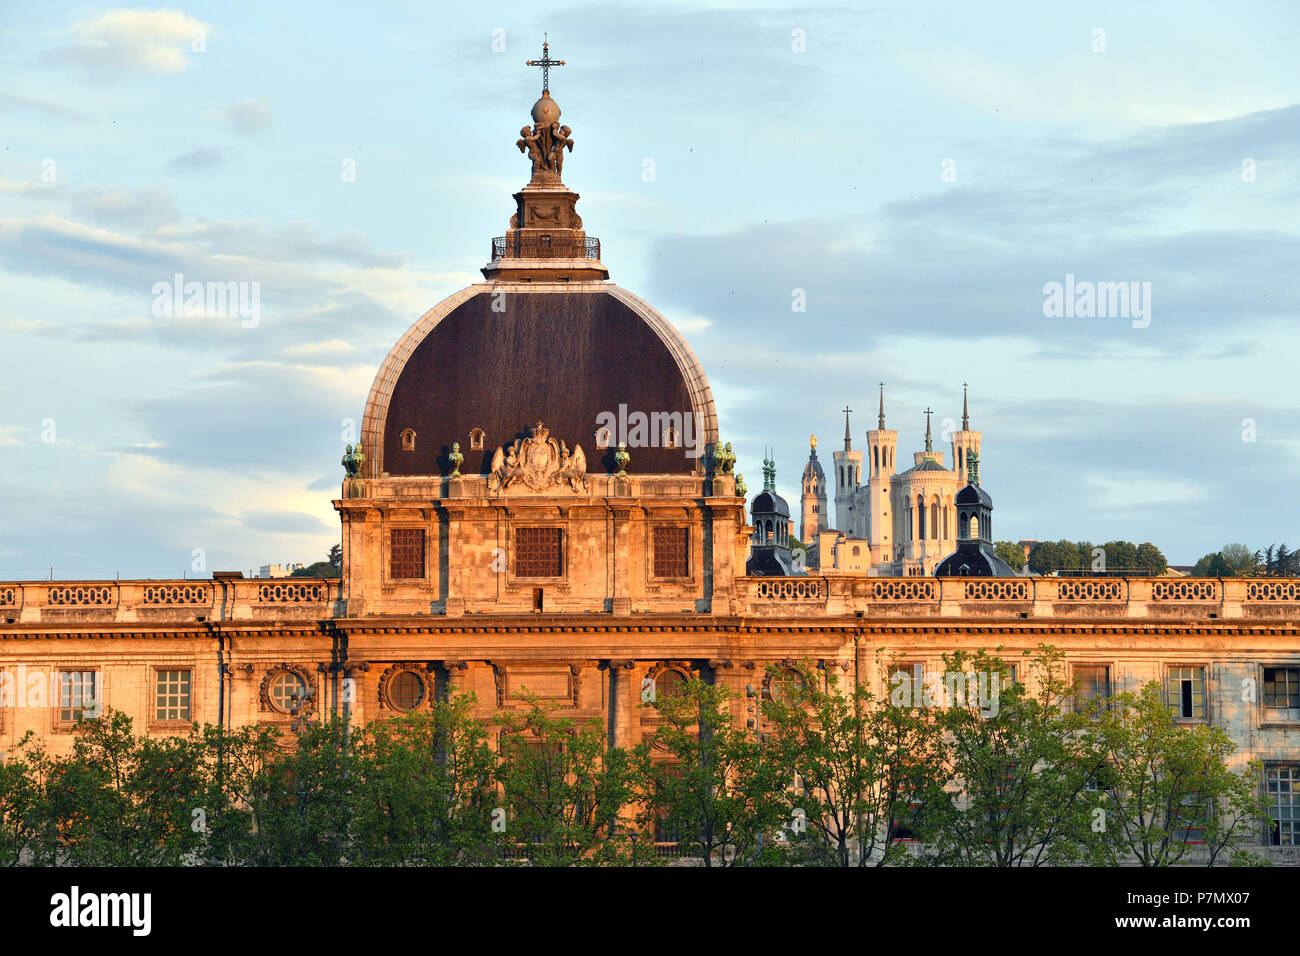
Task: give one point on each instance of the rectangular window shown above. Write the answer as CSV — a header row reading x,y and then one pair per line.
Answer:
x,y
1189,819
1186,697
1282,790
171,695
907,688
903,825
77,698
1091,682
670,552
539,553
406,553
1282,693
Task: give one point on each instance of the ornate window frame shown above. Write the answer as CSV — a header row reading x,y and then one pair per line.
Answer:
x,y
275,671
512,548
427,682
407,437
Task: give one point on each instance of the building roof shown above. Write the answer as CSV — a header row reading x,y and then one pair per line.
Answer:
x,y
560,355
974,559
767,503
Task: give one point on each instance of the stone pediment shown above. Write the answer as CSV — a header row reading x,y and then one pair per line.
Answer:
x,y
538,463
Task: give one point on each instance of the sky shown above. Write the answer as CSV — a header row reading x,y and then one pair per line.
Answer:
x,y
821,198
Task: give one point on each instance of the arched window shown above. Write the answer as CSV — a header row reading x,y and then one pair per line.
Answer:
x,y
920,517
875,455
476,436
857,551
934,519
946,509
974,527
670,682
408,439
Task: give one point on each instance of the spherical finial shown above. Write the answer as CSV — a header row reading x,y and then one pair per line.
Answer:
x,y
546,111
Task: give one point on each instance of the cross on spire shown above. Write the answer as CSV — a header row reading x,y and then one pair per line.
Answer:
x,y
929,445
965,415
545,63
848,442
882,406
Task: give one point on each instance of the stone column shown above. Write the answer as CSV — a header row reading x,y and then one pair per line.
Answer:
x,y
456,673
622,698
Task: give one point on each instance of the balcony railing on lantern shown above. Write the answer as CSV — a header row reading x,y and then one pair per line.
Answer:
x,y
545,247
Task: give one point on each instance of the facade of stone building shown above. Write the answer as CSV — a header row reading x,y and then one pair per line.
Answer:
x,y
541,504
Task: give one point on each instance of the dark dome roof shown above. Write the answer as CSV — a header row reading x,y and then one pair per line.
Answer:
x,y
814,469
974,495
557,355
974,559
769,502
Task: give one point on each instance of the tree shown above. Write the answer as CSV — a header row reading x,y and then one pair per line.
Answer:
x,y
863,765
563,788
21,800
336,556
1012,553
1240,560
1168,786
1019,769
425,792
715,786
1149,560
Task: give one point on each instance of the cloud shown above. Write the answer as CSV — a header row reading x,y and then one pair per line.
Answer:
x,y
198,159
248,117
10,102
141,211
131,41
9,436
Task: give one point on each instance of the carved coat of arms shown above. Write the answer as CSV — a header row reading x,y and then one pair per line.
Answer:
x,y
538,462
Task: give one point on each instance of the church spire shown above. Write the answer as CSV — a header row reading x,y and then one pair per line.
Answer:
x,y
929,442
848,441
965,415
881,420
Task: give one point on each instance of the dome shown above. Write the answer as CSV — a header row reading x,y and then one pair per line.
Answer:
x,y
813,470
974,559
572,356
769,503
974,495
546,111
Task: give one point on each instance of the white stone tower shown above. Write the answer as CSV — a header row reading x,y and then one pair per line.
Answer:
x,y
882,443
848,475
964,440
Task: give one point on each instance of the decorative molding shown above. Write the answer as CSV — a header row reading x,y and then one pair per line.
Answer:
x,y
539,462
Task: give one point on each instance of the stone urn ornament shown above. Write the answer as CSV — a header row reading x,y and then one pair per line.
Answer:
x,y
621,458
456,457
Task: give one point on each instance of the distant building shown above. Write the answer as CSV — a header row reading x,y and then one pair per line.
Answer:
x,y
278,570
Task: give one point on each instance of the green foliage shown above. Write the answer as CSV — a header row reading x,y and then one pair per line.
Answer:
x,y
711,784
862,768
1017,763
1077,557
564,788
1167,786
823,775
1012,553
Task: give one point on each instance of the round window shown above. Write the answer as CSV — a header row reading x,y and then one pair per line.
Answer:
x,y
286,690
786,685
405,690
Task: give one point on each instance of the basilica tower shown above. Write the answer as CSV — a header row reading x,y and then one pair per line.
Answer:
x,y
882,443
964,441
848,475
813,501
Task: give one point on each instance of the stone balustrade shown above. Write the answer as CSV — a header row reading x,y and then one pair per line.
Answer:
x,y
164,601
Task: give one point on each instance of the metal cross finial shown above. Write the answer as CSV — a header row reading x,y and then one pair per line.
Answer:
x,y
928,444
545,63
